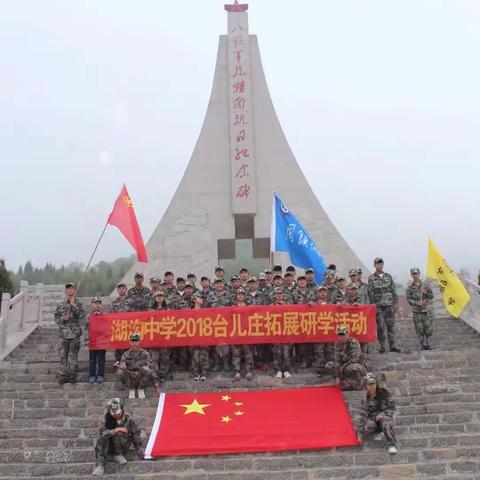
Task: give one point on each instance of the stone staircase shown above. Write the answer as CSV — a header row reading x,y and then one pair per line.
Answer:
x,y
48,431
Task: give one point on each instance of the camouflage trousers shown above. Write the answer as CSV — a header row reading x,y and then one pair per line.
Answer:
x,y
221,354
322,353
69,349
281,357
200,360
423,324
239,351
385,326
385,426
352,376
117,444
161,360
141,378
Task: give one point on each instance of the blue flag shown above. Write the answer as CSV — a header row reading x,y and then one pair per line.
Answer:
x,y
288,235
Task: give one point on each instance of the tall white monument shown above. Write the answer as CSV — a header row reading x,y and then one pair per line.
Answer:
x,y
221,211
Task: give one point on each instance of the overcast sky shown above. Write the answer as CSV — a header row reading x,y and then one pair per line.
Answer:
x,y
379,100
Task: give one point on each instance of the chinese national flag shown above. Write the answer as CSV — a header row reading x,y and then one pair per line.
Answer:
x,y
124,218
252,421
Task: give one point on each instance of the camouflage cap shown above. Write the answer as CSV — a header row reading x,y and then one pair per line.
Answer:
x,y
235,277
180,279
243,269
329,273
341,277
154,279
352,271
115,406
121,284
267,271
191,275
291,268
288,274
301,277
69,285
204,278
370,378
189,285
309,270
219,268
278,290
198,295
219,280
164,283
414,270
252,279
138,274
322,287
377,260
351,286
135,337
262,276
97,300
277,276
159,293
167,273
342,330
359,271
277,268
240,290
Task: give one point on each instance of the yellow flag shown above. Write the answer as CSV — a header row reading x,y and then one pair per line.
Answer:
x,y
454,294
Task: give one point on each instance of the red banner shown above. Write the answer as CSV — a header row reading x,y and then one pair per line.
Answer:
x,y
205,423
233,325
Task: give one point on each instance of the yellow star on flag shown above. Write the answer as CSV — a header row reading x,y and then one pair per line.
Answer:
x,y
195,407
226,419
226,398
238,404
238,413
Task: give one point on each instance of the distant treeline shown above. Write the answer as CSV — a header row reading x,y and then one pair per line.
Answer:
x,y
101,279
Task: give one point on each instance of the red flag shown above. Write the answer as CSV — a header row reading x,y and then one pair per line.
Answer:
x,y
124,218
254,421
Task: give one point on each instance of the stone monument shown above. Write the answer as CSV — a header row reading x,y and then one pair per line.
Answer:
x,y
221,211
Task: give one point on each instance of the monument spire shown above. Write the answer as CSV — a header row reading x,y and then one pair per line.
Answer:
x,y
221,211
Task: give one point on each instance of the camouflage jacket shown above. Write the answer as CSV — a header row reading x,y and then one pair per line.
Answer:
x,y
138,299
331,289
381,403
339,296
223,299
109,424
307,296
381,290
205,294
363,293
254,298
170,290
134,360
266,295
179,301
348,352
356,301
288,294
120,304
70,327
414,295
312,286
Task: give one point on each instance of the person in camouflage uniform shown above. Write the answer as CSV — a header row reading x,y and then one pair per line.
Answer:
x,y
341,290
244,275
329,284
323,355
154,288
349,360
160,356
277,283
138,297
302,296
205,289
136,369
239,351
353,298
381,291
253,297
420,297
264,290
268,277
310,276
281,351
362,288
220,274
192,280
120,305
199,354
117,433
220,297
181,299
263,351
235,285
68,316
288,287
377,417
169,287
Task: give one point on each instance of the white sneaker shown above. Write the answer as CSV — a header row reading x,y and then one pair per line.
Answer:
x,y
379,437
98,471
196,378
203,378
120,459
286,375
330,364
131,393
392,449
141,393
279,374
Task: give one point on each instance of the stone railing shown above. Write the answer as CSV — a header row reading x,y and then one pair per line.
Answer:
x,y
19,316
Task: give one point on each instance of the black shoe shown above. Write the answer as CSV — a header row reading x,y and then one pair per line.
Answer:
x,y
395,349
428,347
381,350
423,347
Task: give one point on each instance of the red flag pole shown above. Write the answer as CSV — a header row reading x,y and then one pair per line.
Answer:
x,y
91,257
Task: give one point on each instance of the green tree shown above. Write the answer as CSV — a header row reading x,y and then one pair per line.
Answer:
x,y
6,283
